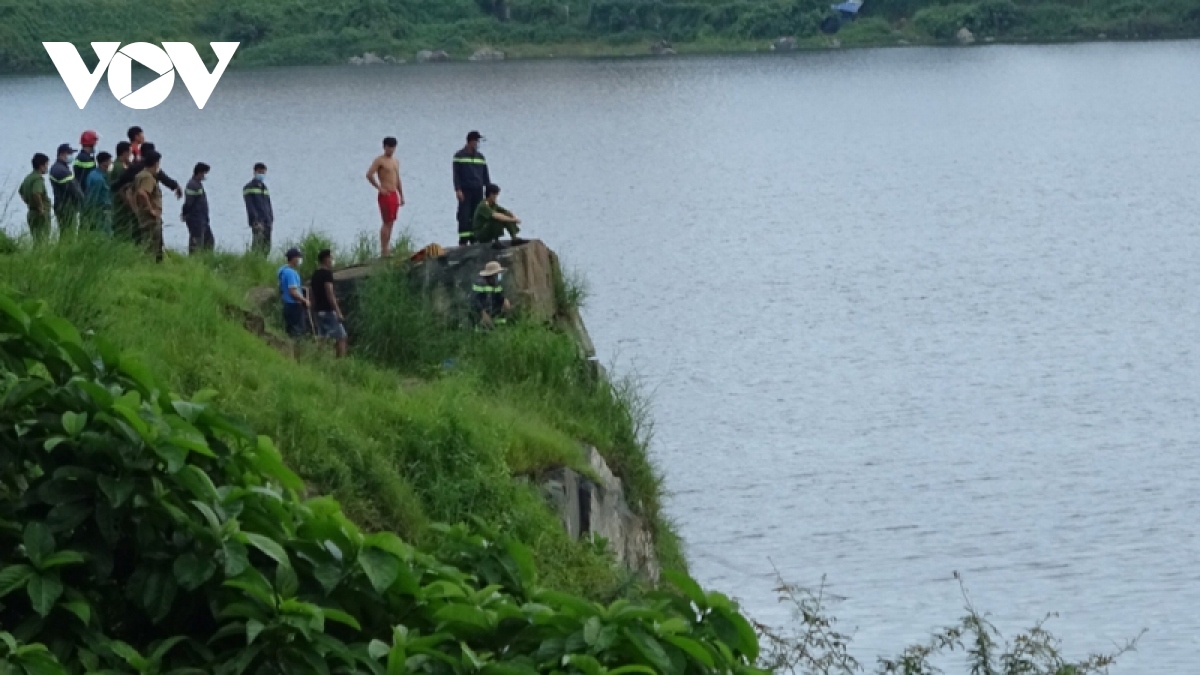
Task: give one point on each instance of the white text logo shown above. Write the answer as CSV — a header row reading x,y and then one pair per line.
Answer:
x,y
178,56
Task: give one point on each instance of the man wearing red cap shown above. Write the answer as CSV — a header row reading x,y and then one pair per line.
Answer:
x,y
85,161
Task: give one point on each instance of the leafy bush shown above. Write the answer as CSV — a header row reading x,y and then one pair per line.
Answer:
x,y
942,23
144,532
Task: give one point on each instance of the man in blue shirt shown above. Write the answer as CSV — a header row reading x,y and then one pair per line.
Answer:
x,y
295,305
97,197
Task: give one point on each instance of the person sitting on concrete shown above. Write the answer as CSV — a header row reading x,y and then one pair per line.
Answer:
x,y
295,305
324,301
491,219
490,305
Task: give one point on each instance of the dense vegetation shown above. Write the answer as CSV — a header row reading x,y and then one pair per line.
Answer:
x,y
400,447
143,531
330,31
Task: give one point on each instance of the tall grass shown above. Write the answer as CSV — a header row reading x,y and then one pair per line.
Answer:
x,y
398,452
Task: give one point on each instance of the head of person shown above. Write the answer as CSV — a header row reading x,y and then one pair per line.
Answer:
x,y
491,272
65,151
88,139
200,171
104,161
491,193
389,146
473,139
294,257
325,258
135,135
123,150
148,147
41,163
151,160
260,171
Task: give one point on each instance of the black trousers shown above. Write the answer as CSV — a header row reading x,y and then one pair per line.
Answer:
x,y
466,214
200,237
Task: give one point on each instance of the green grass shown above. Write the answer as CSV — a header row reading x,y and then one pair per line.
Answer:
x,y
398,440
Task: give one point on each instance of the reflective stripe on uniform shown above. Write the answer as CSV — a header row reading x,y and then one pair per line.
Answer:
x,y
194,193
464,235
256,191
60,181
85,165
469,160
487,289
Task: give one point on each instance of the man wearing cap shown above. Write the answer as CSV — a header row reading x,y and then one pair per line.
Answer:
x,y
294,302
33,193
85,161
491,307
470,177
68,194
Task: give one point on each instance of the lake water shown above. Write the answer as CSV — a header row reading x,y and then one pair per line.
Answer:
x,y
902,312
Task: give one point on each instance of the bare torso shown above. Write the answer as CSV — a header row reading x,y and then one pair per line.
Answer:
x,y
387,171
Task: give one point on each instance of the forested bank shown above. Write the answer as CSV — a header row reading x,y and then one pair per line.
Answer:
x,y
286,32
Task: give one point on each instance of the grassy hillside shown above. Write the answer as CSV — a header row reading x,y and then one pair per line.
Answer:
x,y
276,32
398,440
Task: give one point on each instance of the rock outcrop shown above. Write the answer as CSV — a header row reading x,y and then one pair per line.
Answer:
x,y
662,48
784,44
965,36
426,56
487,54
595,506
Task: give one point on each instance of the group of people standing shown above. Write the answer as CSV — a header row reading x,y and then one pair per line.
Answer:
x,y
118,193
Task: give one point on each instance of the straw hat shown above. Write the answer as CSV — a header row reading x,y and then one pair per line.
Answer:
x,y
491,269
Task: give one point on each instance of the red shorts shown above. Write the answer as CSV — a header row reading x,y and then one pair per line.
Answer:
x,y
389,206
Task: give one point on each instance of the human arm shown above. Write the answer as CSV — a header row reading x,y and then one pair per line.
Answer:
x,y
170,184
252,212
294,291
373,175
333,300
399,184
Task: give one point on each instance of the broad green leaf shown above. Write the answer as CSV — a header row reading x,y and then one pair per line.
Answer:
x,y
286,582
526,569
650,649
584,662
44,591
633,668
268,546
14,577
191,571
341,617
442,589
464,614
591,631
381,567
41,664
674,626
253,629
749,638
62,559
66,517
688,587
692,648
236,559
116,489
378,649
39,543
387,541
53,442
79,608
198,483
74,423
129,654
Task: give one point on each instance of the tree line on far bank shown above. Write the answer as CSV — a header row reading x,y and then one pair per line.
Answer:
x,y
330,31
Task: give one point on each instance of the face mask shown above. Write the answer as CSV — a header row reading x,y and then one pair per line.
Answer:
x,y
260,176
299,262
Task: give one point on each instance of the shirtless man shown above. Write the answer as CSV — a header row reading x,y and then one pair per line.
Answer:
x,y
384,176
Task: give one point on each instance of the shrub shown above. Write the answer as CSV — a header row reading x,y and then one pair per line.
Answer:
x,y
144,532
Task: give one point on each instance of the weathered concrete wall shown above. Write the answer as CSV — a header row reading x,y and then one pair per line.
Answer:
x,y
590,507
530,284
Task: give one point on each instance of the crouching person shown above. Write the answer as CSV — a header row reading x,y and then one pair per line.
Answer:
x,y
324,301
491,307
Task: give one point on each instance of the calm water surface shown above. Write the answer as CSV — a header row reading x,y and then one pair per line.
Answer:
x,y
902,312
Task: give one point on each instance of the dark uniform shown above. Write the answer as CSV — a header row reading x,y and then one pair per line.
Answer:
x,y
470,177
68,195
33,193
195,216
85,163
488,296
260,214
